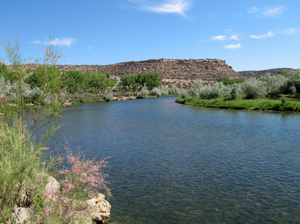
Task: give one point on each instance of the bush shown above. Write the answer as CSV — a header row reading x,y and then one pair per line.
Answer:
x,y
195,89
209,92
227,81
174,90
108,96
159,91
143,93
275,84
253,88
19,166
82,181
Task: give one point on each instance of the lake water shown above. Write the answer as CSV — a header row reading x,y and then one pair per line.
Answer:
x,y
171,163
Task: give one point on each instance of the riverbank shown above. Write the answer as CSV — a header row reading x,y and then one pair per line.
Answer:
x,y
252,104
76,99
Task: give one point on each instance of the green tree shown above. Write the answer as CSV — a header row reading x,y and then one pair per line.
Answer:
x,y
74,81
129,82
152,80
99,82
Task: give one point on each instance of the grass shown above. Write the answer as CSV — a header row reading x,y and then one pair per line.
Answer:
x,y
255,104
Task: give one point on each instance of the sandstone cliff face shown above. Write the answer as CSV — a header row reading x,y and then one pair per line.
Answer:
x,y
188,69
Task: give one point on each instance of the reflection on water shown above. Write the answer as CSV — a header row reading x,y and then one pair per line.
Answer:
x,y
177,164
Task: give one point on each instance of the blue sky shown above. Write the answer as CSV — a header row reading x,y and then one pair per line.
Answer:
x,y
248,34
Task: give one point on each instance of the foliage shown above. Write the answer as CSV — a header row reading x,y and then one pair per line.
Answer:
x,y
74,81
99,82
18,167
4,72
196,87
143,93
226,81
274,84
174,90
129,82
108,96
136,82
255,104
253,88
22,162
159,91
83,180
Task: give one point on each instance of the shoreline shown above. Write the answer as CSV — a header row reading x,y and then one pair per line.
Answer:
x,y
250,105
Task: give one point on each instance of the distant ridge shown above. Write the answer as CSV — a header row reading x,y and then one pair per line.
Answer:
x,y
274,71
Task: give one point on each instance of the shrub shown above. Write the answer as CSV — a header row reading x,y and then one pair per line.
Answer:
x,y
159,91
184,94
253,88
18,167
275,84
227,81
174,90
83,180
143,93
210,92
195,89
108,96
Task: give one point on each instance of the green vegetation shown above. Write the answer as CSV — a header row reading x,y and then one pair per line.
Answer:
x,y
75,86
267,92
25,168
255,104
136,82
226,81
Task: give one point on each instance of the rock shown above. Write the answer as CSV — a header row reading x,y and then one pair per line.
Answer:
x,y
21,215
206,69
52,183
101,208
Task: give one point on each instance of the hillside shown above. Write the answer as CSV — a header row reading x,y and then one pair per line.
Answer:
x,y
249,74
206,69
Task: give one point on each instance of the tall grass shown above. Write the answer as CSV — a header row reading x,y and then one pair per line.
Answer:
x,y
24,171
19,166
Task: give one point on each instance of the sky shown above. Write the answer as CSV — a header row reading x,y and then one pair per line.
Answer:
x,y
248,34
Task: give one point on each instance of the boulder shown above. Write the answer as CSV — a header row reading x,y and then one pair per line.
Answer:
x,y
21,215
52,183
101,208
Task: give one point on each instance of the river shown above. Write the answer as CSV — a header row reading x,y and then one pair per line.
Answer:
x,y
170,163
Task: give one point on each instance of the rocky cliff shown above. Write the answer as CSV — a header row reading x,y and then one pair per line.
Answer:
x,y
187,69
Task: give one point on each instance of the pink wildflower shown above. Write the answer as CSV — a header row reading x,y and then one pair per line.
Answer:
x,y
48,211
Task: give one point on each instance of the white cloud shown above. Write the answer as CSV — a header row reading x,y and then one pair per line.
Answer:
x,y
290,31
234,37
90,47
57,41
253,10
223,37
266,35
273,11
233,46
169,6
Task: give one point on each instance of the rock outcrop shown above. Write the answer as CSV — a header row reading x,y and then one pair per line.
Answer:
x,y
205,69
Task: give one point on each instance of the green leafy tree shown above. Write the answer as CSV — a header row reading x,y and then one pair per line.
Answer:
x,y
99,82
129,82
152,80
74,81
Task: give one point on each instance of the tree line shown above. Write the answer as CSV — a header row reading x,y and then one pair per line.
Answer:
x,y
72,82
